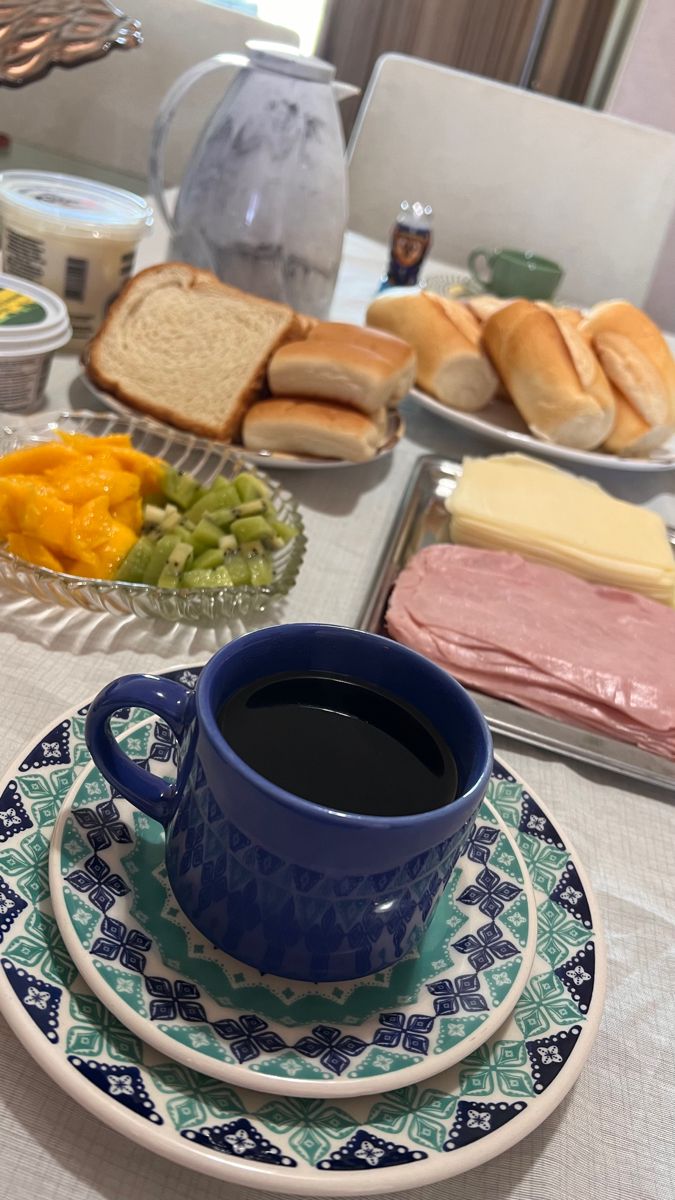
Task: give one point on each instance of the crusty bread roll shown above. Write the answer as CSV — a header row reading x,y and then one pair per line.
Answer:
x,y
551,374
631,434
483,307
638,362
311,427
573,316
346,364
446,338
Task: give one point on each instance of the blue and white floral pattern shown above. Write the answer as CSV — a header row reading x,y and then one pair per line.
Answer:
x,y
414,1134
177,1009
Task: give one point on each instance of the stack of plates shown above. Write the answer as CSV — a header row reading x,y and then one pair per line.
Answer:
x,y
412,1075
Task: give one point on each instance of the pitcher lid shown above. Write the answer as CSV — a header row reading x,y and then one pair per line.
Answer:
x,y
275,56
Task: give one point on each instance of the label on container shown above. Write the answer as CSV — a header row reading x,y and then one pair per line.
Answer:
x,y
87,273
63,201
22,382
17,309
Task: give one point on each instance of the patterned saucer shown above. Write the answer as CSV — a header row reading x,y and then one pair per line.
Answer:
x,y
155,972
410,1137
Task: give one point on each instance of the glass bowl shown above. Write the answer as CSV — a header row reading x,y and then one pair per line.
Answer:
x,y
202,459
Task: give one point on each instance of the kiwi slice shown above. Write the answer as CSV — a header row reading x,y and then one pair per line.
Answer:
x,y
159,557
182,490
178,560
250,488
208,559
134,565
205,535
251,529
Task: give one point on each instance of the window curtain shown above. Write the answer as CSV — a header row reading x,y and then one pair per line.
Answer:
x,y
483,37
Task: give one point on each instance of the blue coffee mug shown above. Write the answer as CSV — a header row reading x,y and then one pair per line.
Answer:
x,y
280,883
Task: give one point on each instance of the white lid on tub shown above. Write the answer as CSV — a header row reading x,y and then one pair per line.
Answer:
x,y
32,319
74,206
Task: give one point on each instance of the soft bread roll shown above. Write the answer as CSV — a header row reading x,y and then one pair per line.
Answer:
x,y
305,324
381,420
400,355
311,427
551,374
180,346
636,358
346,364
446,338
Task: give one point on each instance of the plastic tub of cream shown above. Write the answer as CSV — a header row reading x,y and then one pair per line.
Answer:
x,y
33,324
76,237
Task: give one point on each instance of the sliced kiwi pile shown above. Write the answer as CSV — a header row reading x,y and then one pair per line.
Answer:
x,y
216,537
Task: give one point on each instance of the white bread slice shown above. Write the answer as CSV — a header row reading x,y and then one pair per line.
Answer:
x,y
314,427
185,348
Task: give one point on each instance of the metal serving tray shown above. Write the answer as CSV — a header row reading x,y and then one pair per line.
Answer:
x,y
422,520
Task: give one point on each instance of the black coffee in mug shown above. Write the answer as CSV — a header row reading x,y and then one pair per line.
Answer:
x,y
340,743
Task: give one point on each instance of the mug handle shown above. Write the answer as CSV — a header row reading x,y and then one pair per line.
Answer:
x,y
474,256
169,700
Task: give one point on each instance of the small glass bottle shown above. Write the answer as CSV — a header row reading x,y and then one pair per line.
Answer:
x,y
410,242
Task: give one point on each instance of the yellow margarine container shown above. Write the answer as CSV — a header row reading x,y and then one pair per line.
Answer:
x,y
33,325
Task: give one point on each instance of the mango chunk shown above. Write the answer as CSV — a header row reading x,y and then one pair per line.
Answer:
x,y
129,512
34,460
116,546
118,446
75,504
48,519
33,551
117,485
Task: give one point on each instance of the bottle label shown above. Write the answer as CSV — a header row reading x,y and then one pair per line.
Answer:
x,y
408,250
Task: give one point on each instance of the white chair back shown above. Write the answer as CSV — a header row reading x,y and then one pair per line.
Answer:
x,y
103,112
503,167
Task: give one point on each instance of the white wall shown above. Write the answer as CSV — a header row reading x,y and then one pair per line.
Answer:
x,y
644,90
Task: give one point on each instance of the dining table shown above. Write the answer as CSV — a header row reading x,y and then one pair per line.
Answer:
x,y
612,1136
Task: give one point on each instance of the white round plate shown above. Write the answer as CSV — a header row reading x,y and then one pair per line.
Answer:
x,y
408,1138
501,422
153,970
265,458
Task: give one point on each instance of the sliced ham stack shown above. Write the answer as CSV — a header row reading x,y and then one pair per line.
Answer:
x,y
595,656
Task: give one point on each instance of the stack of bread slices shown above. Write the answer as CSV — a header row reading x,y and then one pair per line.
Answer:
x,y
182,347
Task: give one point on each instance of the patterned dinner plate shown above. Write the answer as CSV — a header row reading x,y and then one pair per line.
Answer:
x,y
147,963
409,1137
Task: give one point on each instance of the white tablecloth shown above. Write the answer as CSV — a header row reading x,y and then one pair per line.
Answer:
x,y
612,1139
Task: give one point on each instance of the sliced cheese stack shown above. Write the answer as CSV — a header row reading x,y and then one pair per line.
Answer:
x,y
511,502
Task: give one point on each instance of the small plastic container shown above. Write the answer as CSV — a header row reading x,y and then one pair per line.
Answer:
x,y
76,237
33,325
